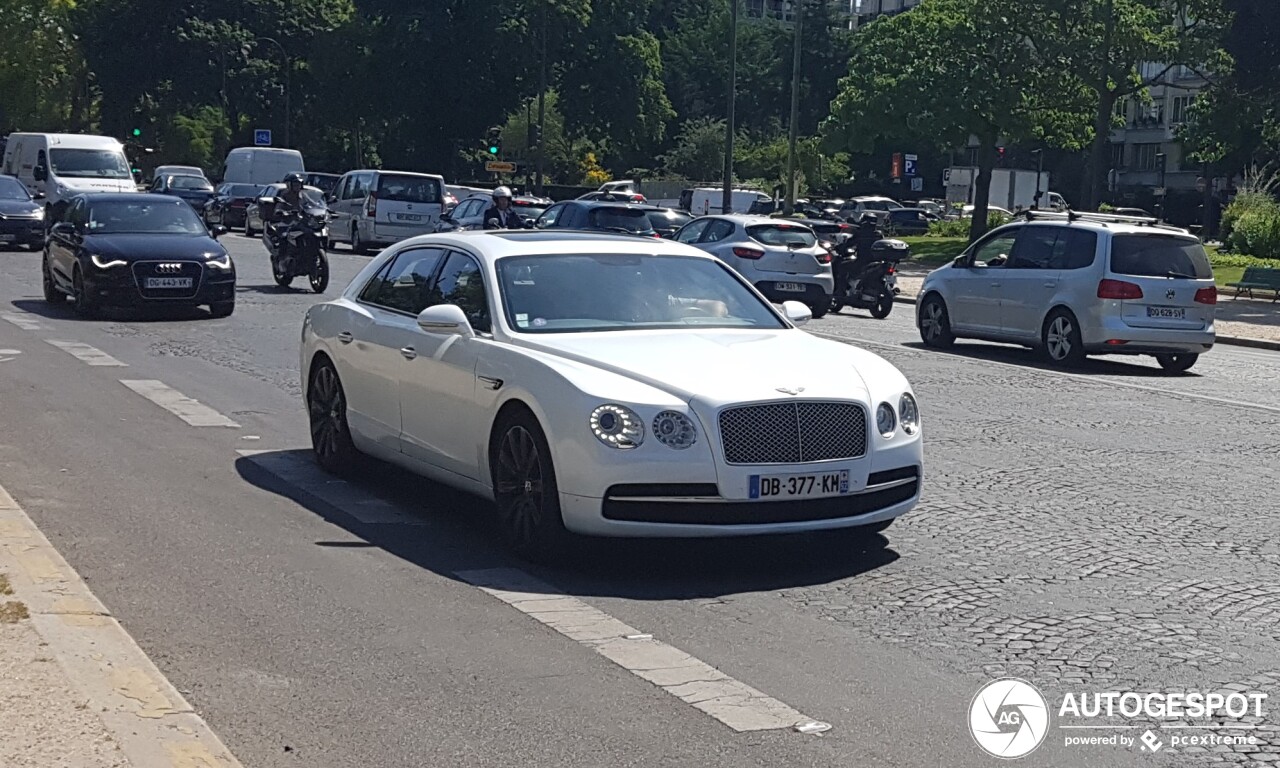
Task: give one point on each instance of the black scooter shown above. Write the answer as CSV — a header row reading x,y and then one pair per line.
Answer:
x,y
298,249
867,283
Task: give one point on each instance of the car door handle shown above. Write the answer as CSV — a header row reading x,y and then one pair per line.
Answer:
x,y
345,337
995,285
1050,284
408,353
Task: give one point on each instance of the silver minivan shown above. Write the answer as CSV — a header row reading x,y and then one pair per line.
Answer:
x,y
1073,285
372,209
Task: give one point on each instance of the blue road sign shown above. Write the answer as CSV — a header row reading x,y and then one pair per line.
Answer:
x,y
262,137
909,166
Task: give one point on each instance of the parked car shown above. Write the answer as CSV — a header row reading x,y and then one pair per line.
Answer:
x,y
228,205
782,259
829,231
967,211
259,211
908,221
1139,212
589,215
469,214
666,221
21,215
607,386
177,170
1071,286
196,190
877,206
377,208
126,250
614,197
325,182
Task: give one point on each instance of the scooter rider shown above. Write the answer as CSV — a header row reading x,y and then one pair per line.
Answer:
x,y
289,202
502,212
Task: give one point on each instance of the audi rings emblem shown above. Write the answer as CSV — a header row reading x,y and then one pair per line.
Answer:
x,y
169,268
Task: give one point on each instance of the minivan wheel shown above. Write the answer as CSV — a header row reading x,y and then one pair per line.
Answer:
x,y
357,242
1177,363
1061,341
935,324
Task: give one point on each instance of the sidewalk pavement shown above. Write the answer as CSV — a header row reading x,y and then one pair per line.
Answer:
x,y
1242,322
78,692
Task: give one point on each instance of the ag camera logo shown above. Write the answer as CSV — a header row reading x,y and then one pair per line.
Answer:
x,y
1009,718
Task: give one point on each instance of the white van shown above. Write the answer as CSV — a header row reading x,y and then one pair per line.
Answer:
x,y
377,208
261,165
702,201
62,165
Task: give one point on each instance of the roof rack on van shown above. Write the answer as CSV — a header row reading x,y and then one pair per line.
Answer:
x,y
1099,218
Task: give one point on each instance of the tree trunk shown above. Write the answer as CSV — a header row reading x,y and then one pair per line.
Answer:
x,y
1207,203
982,186
1100,152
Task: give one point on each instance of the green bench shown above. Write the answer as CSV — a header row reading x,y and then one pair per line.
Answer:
x,y
1261,278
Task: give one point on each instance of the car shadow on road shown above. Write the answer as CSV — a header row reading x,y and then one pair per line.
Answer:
x,y
147,314
1115,365
450,532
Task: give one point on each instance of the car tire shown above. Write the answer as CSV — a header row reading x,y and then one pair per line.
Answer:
x,y
820,309
248,231
86,308
331,441
357,243
51,293
1177,363
222,308
934,323
883,307
525,489
1060,340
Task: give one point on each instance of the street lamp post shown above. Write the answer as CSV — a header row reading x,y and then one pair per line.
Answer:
x,y
1161,160
1039,153
288,108
790,205
726,204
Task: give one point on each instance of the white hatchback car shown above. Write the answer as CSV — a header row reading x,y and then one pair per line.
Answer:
x,y
606,385
1078,284
781,258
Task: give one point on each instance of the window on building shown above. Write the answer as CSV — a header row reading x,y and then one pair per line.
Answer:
x,y
1117,156
1144,156
1179,109
1122,109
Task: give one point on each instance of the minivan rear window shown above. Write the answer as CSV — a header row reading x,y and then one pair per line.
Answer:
x,y
408,189
782,235
1159,256
625,219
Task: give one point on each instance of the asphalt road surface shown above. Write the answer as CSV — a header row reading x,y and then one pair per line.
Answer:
x,y
1109,529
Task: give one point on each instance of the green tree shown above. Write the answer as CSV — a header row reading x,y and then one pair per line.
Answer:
x,y
698,153
42,75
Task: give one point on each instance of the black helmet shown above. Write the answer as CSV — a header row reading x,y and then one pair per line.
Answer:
x,y
295,178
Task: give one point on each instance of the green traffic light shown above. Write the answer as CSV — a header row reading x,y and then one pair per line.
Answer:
x,y
137,131
493,150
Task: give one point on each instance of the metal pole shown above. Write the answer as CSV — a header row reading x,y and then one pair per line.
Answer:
x,y
542,103
1161,159
287,85
1039,153
726,204
790,205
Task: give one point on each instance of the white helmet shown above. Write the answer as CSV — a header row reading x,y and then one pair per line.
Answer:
x,y
501,192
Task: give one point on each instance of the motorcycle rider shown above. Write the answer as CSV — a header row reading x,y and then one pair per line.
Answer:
x,y
288,203
502,212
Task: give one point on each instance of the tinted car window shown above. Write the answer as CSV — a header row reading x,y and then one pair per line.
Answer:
x,y
1075,249
12,189
117,216
462,283
408,189
718,230
1034,248
196,183
783,235
241,190
692,231
997,247
667,219
405,285
624,219
1159,256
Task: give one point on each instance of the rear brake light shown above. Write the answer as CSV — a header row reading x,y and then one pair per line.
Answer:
x,y
371,210
1118,289
892,269
824,257
748,253
1207,295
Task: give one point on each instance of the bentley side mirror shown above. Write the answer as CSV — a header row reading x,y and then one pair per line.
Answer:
x,y
446,319
796,312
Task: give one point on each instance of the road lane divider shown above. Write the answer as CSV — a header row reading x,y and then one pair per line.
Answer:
x,y
23,320
150,721
193,412
87,354
299,470
694,682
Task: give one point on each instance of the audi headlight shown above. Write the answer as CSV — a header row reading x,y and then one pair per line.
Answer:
x,y
617,426
674,430
909,412
39,214
102,263
886,420
223,263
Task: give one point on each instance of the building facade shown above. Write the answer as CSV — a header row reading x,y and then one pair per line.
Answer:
x,y
1150,129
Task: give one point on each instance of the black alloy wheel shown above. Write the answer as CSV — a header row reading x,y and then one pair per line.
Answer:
x,y
86,308
51,292
525,489
327,408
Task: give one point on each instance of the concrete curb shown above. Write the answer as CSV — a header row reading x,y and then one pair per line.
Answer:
x,y
151,722
1234,341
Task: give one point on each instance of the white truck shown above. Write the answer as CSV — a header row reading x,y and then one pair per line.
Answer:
x,y
261,165
701,201
59,166
1011,189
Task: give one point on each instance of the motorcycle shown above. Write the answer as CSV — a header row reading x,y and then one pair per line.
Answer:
x,y
869,283
299,248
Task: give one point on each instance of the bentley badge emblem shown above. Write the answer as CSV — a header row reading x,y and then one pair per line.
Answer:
x,y
786,391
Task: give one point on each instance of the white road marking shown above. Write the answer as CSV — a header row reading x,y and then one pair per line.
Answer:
x,y
298,469
87,354
694,682
9,354
191,411
22,320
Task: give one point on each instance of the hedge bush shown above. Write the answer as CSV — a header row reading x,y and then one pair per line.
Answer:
x,y
960,227
1251,225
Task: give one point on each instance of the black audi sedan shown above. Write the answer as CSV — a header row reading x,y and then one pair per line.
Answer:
x,y
133,250
21,217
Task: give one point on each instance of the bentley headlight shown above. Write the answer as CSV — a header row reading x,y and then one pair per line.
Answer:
x,y
886,421
102,263
223,263
909,413
617,426
674,430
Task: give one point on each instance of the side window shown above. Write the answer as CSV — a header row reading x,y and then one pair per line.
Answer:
x,y
42,159
461,282
474,207
718,230
340,192
1075,249
79,213
1035,247
996,248
550,216
693,231
405,285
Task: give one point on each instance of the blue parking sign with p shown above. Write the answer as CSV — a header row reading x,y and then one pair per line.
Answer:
x,y
909,165
262,137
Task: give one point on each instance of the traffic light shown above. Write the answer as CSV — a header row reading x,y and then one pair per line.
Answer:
x,y
1000,155
494,142
537,136
137,132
